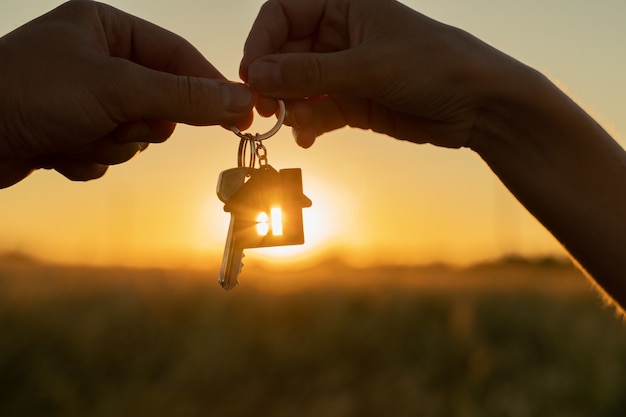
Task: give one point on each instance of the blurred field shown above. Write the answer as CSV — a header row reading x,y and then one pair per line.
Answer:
x,y
514,338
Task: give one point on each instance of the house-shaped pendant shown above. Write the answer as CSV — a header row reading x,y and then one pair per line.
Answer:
x,y
267,209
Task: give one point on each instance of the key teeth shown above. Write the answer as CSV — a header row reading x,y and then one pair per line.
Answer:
x,y
243,255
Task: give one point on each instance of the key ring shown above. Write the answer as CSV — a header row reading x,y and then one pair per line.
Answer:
x,y
254,149
246,145
261,137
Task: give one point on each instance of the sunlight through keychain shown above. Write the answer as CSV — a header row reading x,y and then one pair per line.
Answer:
x,y
265,205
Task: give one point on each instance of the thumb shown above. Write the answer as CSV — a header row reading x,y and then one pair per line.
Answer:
x,y
186,99
297,75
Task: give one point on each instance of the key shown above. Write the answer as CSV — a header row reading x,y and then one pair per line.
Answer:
x,y
232,261
228,183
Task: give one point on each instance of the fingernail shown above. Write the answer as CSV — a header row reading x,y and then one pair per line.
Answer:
x,y
264,76
237,98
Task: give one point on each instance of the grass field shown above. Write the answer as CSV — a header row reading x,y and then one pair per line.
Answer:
x,y
512,338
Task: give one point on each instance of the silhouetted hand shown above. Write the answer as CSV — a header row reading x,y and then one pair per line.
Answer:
x,y
373,64
376,64
86,86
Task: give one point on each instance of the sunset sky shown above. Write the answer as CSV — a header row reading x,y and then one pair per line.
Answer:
x,y
374,199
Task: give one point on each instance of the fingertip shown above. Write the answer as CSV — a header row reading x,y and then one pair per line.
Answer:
x,y
237,98
266,106
81,171
305,139
241,124
153,131
13,171
160,131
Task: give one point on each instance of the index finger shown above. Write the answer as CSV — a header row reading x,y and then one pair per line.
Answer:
x,y
281,23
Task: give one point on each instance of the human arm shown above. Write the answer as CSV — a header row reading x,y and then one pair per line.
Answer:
x,y
376,64
86,86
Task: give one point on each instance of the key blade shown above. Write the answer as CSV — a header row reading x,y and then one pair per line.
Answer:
x,y
229,272
226,279
232,260
231,267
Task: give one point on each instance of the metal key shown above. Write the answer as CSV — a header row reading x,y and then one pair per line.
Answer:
x,y
232,262
228,184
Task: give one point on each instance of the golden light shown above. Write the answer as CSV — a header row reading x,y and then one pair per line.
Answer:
x,y
276,215
273,223
323,228
262,224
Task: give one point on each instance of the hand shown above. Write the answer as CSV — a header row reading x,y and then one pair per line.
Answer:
x,y
379,65
86,86
373,64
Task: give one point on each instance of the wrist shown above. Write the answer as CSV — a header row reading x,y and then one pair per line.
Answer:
x,y
527,121
516,105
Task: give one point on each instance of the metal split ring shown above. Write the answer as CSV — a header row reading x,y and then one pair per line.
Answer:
x,y
250,151
262,136
246,146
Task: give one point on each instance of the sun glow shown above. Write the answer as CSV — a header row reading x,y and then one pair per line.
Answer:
x,y
321,230
262,224
276,221
324,229
270,224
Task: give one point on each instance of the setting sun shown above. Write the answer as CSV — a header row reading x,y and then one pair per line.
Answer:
x,y
320,231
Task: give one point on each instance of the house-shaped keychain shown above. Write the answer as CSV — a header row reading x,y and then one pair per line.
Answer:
x,y
267,209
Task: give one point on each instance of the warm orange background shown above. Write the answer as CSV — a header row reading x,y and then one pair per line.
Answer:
x,y
374,199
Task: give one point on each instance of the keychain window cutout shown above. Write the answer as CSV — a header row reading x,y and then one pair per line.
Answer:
x,y
276,221
272,224
262,225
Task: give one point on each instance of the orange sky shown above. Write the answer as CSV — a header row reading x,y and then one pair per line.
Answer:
x,y
374,199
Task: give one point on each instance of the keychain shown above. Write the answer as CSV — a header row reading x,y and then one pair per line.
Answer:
x,y
265,205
